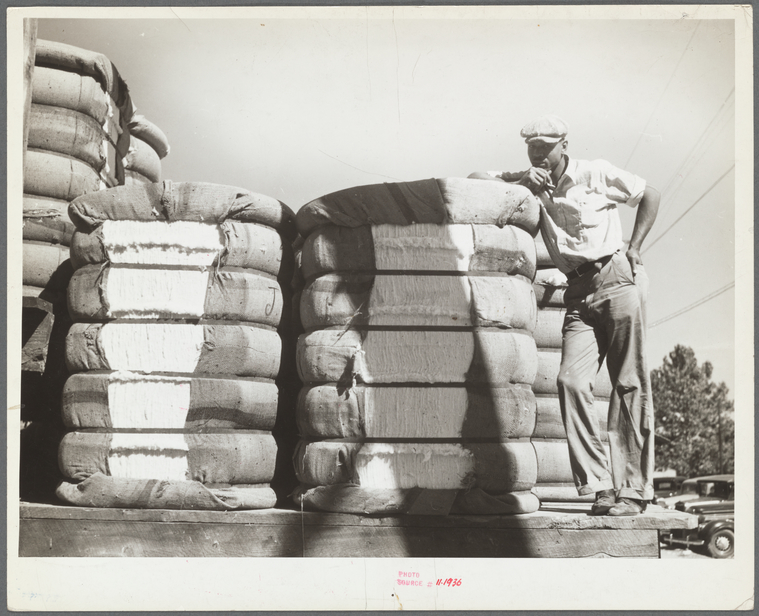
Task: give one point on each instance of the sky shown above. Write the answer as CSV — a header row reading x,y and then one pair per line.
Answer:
x,y
297,108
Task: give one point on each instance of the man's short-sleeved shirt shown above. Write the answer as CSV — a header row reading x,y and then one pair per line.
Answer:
x,y
579,218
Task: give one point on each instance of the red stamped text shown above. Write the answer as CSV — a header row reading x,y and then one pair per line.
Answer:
x,y
409,578
449,582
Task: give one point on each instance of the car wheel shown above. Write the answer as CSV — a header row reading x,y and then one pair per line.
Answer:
x,y
721,544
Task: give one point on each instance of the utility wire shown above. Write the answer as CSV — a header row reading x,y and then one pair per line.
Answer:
x,y
637,143
695,203
693,305
703,140
668,199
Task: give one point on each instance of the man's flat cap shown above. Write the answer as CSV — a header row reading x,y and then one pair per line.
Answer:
x,y
548,129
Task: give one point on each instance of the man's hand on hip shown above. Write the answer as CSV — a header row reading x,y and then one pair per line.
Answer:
x,y
633,256
536,179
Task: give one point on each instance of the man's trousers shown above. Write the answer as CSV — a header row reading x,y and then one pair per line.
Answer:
x,y
606,318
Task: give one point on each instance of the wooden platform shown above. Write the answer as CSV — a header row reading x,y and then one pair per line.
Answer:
x,y
560,531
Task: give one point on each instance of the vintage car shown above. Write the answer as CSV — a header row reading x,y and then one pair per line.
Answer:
x,y
665,487
715,508
688,491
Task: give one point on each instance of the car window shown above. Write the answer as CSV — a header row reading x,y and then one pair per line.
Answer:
x,y
705,488
716,489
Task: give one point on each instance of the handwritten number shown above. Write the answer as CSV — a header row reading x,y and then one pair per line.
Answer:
x,y
270,307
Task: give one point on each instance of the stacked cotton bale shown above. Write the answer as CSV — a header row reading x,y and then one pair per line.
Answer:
x,y
83,137
174,352
77,136
549,437
418,356
147,146
77,125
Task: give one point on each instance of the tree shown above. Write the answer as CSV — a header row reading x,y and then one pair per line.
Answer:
x,y
694,418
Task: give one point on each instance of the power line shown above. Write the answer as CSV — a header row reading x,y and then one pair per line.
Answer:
x,y
637,143
704,139
695,203
693,305
670,198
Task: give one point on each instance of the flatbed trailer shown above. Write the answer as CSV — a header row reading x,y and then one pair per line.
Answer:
x,y
559,530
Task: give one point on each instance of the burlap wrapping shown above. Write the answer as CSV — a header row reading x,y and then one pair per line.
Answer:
x,y
406,356
49,54
143,159
498,467
56,55
331,248
48,174
82,93
418,300
229,348
548,327
246,245
142,128
48,230
232,295
553,460
450,200
397,412
195,201
98,490
45,207
44,262
230,457
135,178
72,133
214,402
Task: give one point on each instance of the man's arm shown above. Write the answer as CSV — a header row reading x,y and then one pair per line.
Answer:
x,y
512,177
644,220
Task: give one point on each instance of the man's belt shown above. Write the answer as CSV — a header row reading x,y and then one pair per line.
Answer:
x,y
586,267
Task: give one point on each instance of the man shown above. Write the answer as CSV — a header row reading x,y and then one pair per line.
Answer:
x,y
606,312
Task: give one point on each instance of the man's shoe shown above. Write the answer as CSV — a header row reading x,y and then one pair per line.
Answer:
x,y
605,500
627,506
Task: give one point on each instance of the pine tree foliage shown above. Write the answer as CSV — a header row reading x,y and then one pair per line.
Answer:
x,y
691,414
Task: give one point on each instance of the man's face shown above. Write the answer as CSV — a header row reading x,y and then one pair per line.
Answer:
x,y
546,155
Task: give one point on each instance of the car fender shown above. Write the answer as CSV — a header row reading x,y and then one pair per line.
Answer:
x,y
708,529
